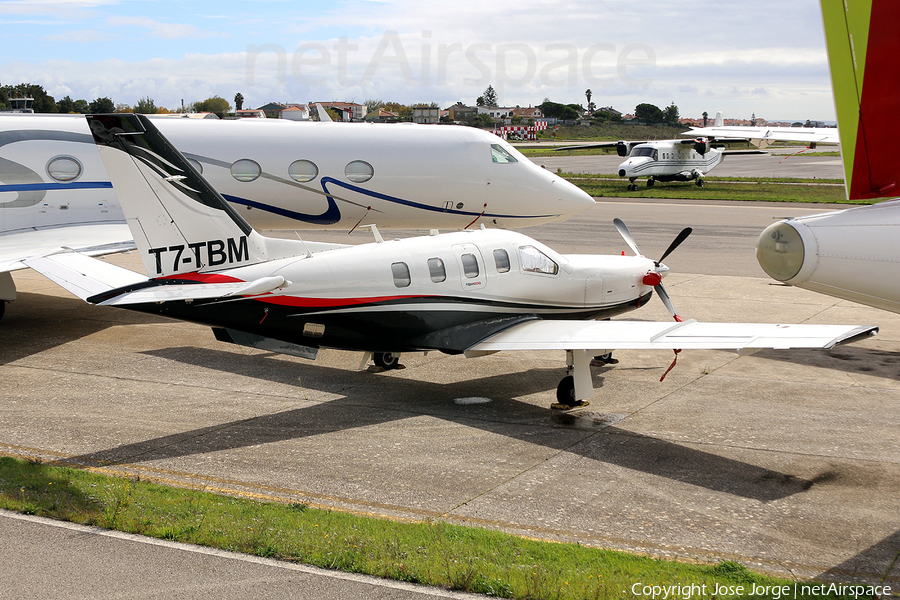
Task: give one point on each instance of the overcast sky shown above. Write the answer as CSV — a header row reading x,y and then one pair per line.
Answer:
x,y
702,55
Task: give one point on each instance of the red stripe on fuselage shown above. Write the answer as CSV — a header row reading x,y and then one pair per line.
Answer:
x,y
875,167
203,278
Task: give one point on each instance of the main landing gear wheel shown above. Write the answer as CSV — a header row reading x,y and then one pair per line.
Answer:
x,y
701,183
650,182
387,360
565,391
565,395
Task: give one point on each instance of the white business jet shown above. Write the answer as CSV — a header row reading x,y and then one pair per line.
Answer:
x,y
473,292
54,189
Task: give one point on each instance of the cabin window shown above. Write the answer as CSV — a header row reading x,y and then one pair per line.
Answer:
x,y
245,170
470,266
535,261
64,168
501,259
436,270
303,170
359,171
401,274
499,154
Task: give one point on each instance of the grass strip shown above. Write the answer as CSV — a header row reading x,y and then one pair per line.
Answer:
x,y
809,191
432,553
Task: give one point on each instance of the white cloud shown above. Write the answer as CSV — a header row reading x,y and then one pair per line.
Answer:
x,y
653,52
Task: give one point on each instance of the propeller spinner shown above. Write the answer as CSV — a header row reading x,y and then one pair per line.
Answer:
x,y
654,278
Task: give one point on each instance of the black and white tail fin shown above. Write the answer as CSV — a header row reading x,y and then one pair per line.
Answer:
x,y
179,222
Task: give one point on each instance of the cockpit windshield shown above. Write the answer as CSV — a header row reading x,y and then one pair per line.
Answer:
x,y
645,151
501,155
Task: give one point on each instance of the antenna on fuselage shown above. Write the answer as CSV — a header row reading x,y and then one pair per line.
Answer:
x,y
376,233
308,253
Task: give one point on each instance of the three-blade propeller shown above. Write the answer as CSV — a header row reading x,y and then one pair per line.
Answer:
x,y
660,290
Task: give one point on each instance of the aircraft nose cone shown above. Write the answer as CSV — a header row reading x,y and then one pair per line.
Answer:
x,y
780,251
572,199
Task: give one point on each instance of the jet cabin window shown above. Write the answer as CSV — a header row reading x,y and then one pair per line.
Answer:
x,y
470,265
499,154
401,274
436,270
535,261
501,259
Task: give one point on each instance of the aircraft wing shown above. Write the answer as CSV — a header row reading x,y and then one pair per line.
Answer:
x,y
588,146
641,335
93,239
763,136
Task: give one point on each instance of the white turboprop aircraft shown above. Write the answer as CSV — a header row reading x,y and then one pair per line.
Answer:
x,y
665,160
853,254
762,137
473,292
54,189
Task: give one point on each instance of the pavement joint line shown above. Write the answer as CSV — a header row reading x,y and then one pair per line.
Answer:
x,y
249,558
635,546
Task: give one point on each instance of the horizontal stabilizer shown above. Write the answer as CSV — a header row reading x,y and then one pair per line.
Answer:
x,y
641,335
171,290
82,275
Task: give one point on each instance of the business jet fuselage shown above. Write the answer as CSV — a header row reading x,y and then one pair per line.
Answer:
x,y
55,191
287,175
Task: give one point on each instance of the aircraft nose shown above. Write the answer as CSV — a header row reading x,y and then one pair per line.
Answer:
x,y
627,168
781,251
572,199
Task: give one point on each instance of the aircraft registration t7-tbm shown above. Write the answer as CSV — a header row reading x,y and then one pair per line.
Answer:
x,y
473,292
55,191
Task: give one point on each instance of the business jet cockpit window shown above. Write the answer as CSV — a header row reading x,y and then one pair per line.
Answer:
x,y
499,154
535,261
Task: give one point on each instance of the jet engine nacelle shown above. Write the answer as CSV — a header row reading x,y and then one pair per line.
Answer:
x,y
701,146
842,254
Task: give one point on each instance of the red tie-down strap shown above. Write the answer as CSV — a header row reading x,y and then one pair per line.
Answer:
x,y
674,360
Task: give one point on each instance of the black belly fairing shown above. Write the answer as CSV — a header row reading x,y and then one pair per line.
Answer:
x,y
391,326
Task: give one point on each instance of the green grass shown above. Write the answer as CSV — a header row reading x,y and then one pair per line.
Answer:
x,y
432,553
730,188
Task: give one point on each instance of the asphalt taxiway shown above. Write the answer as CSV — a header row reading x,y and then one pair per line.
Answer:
x,y
785,461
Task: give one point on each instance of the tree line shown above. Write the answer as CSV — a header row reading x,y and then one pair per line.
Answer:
x,y
45,103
